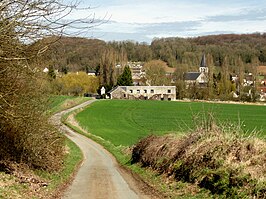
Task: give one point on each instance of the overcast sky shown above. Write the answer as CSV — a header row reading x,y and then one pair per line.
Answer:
x,y
143,20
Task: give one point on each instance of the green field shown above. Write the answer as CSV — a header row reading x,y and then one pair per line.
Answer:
x,y
124,122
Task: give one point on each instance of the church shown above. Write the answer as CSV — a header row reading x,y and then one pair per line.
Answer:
x,y
200,78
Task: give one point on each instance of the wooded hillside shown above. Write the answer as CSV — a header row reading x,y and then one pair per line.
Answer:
x,y
83,54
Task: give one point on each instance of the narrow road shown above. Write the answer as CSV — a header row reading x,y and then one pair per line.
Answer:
x,y
99,176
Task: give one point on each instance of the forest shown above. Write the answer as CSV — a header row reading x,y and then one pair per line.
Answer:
x,y
81,54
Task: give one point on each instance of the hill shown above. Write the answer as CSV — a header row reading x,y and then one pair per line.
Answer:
x,y
83,54
72,53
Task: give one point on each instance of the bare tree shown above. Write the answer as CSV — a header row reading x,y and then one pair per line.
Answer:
x,y
25,135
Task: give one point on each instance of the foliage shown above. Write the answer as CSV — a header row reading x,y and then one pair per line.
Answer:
x,y
25,133
76,84
125,79
108,74
71,54
155,73
124,122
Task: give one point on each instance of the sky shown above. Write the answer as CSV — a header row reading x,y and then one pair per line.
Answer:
x,y
144,20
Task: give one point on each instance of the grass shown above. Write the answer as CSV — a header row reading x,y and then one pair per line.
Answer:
x,y
72,159
61,102
124,122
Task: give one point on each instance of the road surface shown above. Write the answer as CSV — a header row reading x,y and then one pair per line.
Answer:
x,y
99,176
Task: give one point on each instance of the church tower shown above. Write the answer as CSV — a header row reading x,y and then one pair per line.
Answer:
x,y
203,65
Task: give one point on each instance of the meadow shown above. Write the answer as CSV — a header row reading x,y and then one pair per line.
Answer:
x,y
124,122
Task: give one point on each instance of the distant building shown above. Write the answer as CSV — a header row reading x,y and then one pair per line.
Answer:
x,y
138,73
261,80
92,72
198,78
46,70
144,92
249,80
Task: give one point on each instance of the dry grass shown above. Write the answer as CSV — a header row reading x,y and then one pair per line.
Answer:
x,y
18,181
212,157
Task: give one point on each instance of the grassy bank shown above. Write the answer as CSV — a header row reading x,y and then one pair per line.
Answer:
x,y
28,184
58,103
213,161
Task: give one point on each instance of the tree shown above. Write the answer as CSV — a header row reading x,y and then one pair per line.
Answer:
x,y
25,133
155,73
76,84
125,79
107,67
51,73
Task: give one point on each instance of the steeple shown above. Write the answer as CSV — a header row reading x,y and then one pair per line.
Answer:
x,y
203,65
203,61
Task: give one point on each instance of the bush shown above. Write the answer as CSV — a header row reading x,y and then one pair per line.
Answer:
x,y
25,134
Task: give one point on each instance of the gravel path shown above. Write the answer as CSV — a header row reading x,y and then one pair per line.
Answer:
x,y
99,176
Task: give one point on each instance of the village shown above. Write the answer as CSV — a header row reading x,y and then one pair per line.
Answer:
x,y
252,86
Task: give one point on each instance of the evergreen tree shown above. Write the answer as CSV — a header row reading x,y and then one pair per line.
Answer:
x,y
125,79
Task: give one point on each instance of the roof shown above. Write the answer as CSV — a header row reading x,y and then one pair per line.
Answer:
x,y
91,71
203,61
117,87
261,70
191,75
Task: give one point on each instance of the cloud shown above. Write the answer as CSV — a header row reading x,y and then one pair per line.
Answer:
x,y
245,15
143,20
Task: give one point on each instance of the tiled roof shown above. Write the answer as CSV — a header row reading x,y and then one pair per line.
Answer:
x,y
191,75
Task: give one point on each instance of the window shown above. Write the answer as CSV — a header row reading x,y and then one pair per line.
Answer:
x,y
169,91
152,91
138,91
145,91
131,91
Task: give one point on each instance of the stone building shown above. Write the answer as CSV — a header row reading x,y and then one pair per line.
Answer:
x,y
144,92
200,78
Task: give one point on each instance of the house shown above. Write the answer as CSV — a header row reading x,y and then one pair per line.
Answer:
x,y
249,80
261,79
138,73
92,72
198,78
144,92
169,73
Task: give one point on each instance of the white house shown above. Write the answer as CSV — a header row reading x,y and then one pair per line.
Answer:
x,y
144,92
